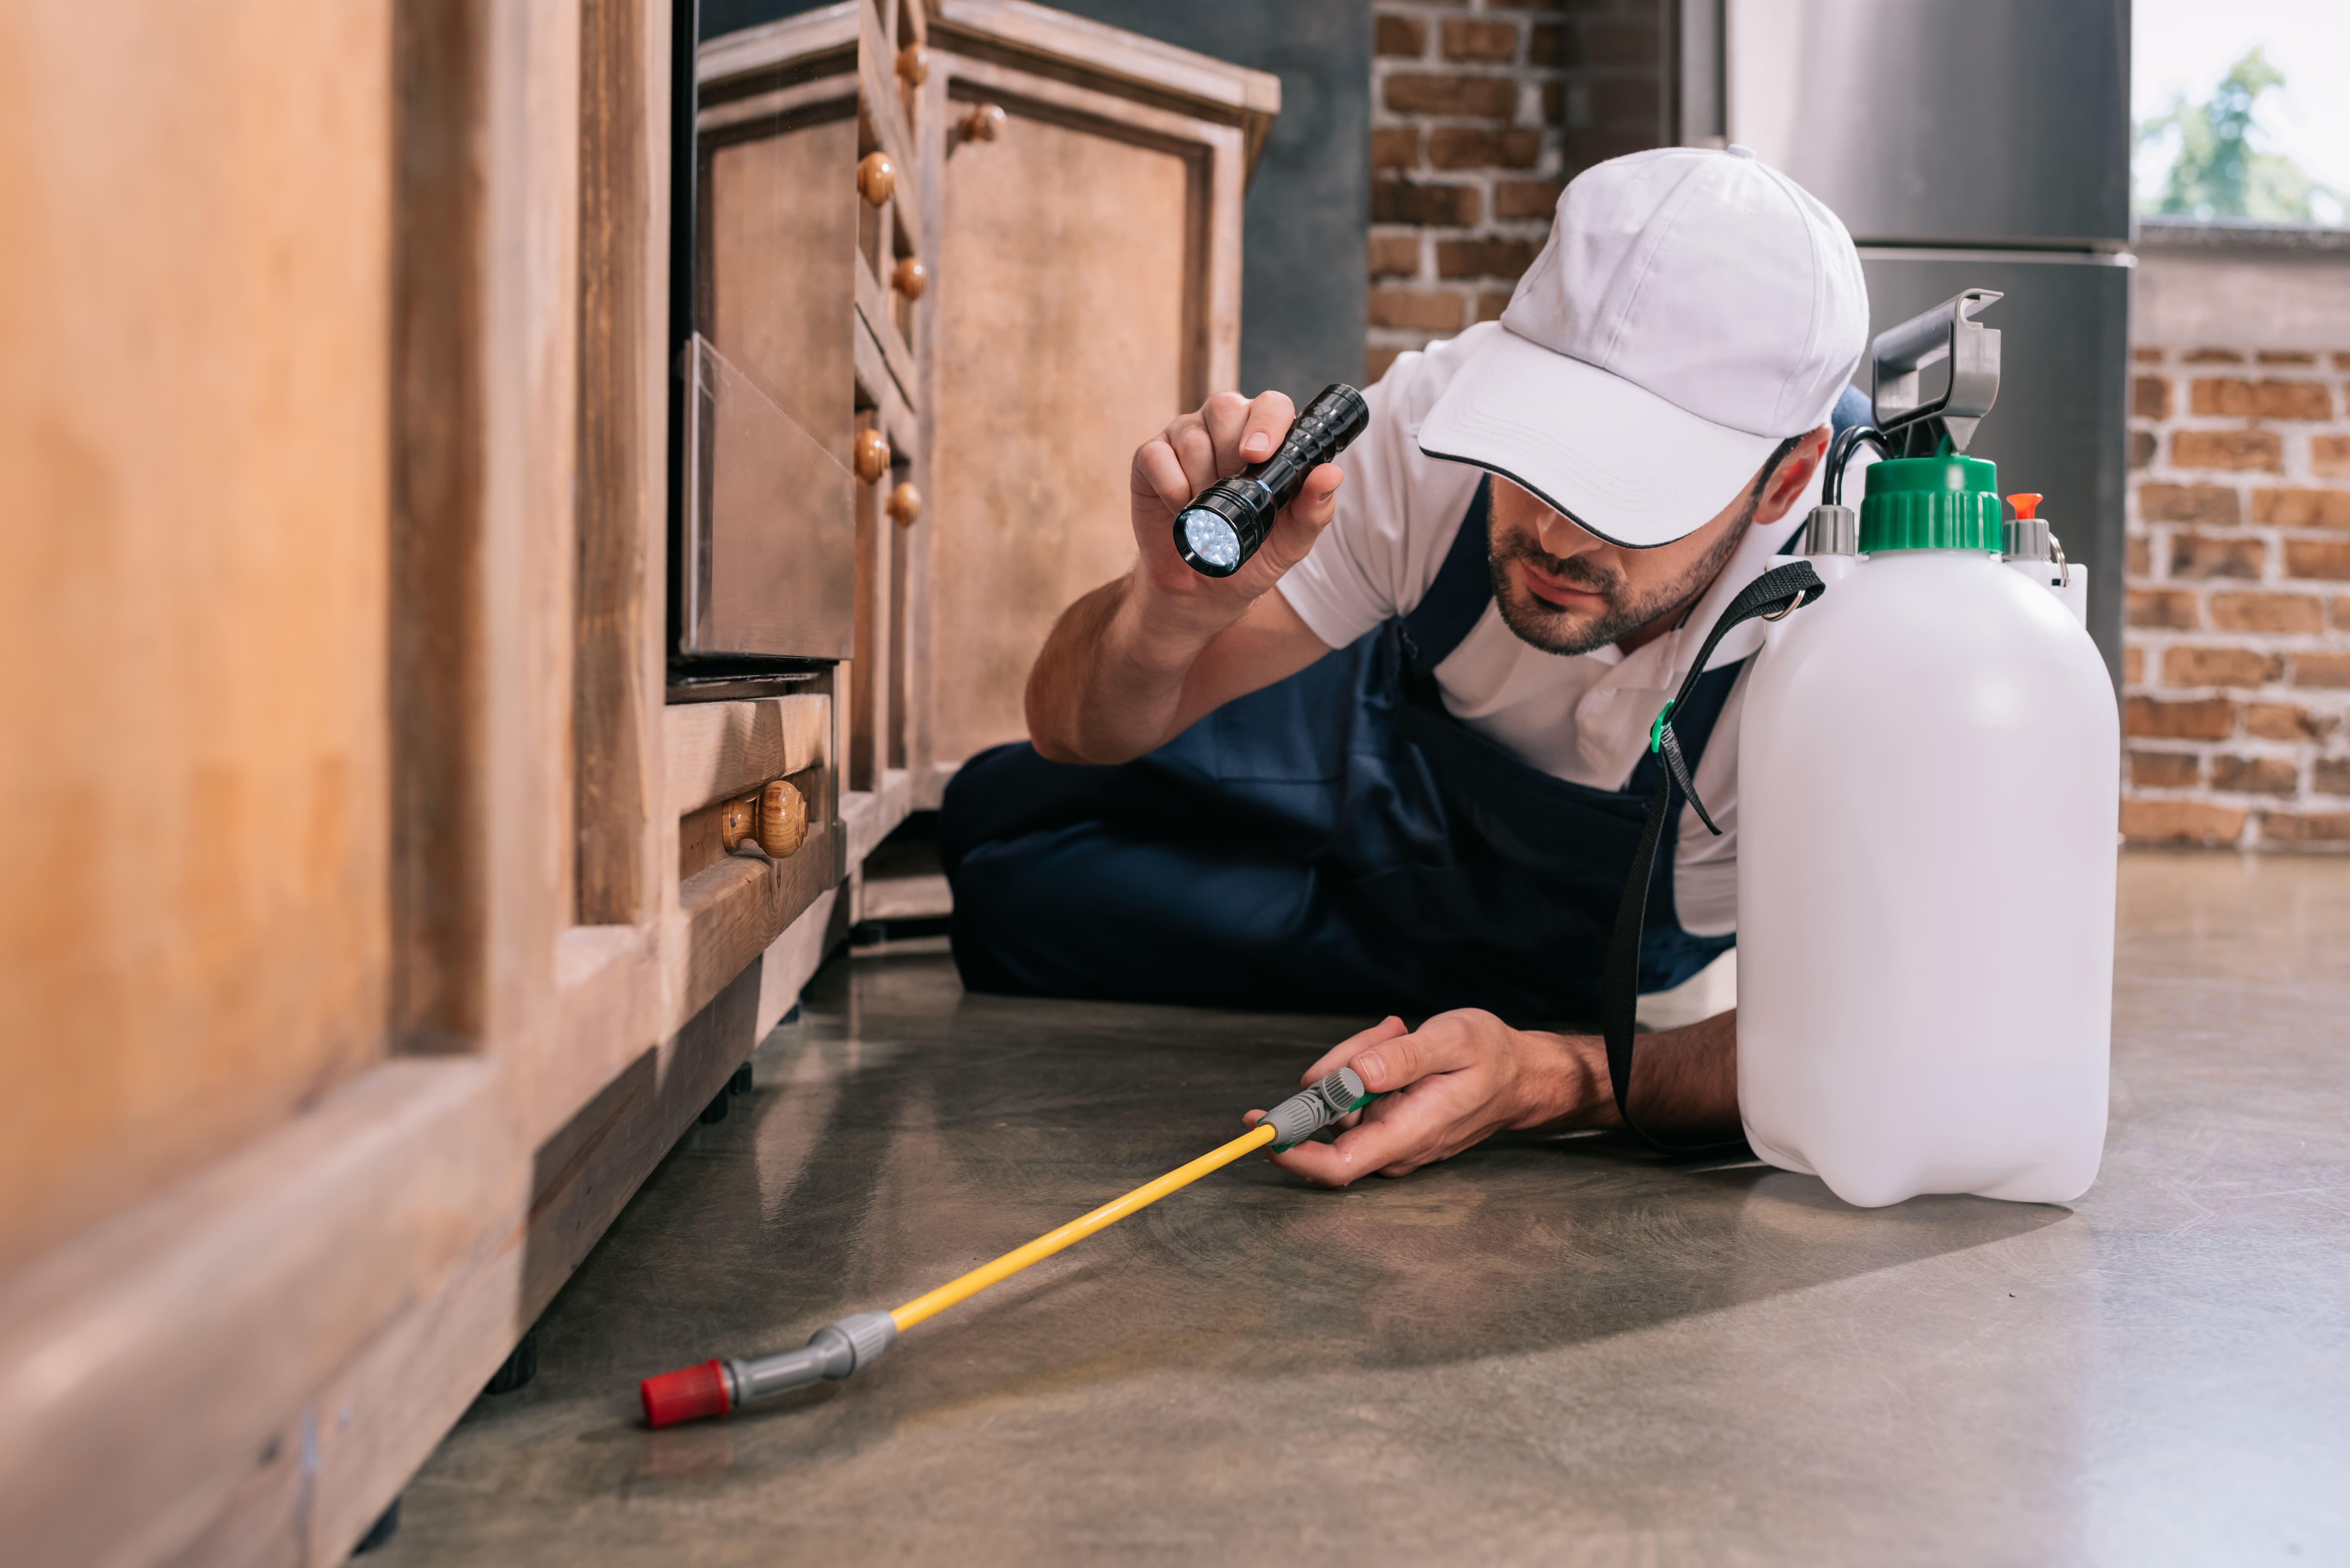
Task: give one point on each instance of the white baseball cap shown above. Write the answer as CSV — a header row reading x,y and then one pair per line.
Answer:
x,y
1692,309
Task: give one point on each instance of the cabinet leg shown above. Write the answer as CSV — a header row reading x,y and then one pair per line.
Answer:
x,y
519,1367
715,1111
740,1084
386,1526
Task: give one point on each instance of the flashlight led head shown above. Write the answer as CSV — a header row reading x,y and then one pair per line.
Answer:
x,y
1210,544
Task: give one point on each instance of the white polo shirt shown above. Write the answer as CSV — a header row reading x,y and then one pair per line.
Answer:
x,y
1583,717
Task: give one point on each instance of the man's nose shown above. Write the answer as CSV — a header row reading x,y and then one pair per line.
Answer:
x,y
1562,537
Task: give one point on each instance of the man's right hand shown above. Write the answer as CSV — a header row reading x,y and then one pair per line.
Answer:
x,y
1227,435
1138,660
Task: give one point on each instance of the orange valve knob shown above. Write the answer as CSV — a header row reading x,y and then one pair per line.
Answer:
x,y
910,278
914,65
2025,537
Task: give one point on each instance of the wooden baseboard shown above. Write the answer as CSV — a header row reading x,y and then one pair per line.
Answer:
x,y
163,1349
383,1264
792,961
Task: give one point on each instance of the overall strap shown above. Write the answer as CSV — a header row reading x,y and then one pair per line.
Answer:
x,y
1771,594
1464,587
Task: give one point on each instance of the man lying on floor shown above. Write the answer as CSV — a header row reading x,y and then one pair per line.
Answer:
x,y
1399,760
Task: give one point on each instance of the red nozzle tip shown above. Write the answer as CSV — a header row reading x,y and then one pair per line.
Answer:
x,y
686,1394
2027,506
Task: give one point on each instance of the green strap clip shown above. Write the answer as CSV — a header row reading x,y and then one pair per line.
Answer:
x,y
1656,729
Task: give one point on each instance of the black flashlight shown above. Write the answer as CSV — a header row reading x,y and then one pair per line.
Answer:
x,y
1225,522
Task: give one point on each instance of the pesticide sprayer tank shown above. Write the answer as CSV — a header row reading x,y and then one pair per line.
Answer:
x,y
1928,771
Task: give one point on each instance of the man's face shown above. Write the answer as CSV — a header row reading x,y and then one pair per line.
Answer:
x,y
1566,590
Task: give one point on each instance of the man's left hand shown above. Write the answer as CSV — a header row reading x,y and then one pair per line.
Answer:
x,y
1452,1083
1460,1077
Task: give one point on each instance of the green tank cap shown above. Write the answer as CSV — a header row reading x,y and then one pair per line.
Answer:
x,y
1945,502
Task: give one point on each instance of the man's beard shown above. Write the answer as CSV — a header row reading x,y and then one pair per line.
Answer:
x,y
1621,611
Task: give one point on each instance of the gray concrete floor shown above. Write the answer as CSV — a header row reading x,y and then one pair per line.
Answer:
x,y
1557,1351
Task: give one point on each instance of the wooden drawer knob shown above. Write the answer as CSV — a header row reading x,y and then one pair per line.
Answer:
x,y
914,65
910,278
872,455
905,504
783,819
877,176
984,123
736,822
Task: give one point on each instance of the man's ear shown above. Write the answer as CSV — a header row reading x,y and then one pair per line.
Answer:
x,y
1790,478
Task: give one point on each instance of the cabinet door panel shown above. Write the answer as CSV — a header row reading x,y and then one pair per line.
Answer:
x,y
194,906
769,546
783,233
1068,282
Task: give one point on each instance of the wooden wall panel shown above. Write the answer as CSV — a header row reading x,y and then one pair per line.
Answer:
x,y
193,330
1062,286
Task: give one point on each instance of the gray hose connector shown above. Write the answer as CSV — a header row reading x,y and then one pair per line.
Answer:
x,y
834,1350
1311,1109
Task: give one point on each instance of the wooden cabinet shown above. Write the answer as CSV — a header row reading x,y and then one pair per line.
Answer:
x,y
1088,290
373,920
813,277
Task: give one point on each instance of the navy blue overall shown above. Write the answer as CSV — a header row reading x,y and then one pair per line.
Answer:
x,y
1337,842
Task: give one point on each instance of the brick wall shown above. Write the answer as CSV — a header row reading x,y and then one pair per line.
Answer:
x,y
1481,111
2236,658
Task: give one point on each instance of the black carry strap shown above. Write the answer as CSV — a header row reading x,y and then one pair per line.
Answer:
x,y
1771,594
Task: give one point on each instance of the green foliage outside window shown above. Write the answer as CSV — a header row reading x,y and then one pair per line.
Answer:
x,y
2216,169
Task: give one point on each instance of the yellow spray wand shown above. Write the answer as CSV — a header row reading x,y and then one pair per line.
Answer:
x,y
838,1349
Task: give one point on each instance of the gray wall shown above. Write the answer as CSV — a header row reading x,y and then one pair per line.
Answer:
x,y
1305,258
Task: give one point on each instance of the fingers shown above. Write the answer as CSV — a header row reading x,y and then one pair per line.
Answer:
x,y
1302,520
1198,452
1442,1044
1227,435
1340,1054
1394,1137
1236,431
1158,471
1445,1086
1266,418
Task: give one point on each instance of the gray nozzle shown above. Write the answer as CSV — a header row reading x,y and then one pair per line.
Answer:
x,y
1310,1110
834,1350
1832,531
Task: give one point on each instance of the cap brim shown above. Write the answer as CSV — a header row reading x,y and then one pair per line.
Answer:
x,y
1617,459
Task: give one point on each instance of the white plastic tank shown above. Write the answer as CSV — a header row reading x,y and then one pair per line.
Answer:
x,y
1929,779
